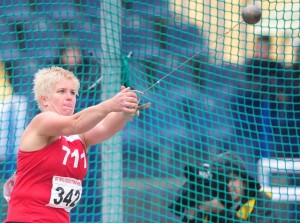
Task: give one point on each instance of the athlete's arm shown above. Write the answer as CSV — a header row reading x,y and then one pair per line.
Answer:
x,y
47,126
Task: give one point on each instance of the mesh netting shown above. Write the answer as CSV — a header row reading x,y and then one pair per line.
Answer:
x,y
225,103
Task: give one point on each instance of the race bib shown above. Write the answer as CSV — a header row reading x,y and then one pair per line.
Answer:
x,y
65,193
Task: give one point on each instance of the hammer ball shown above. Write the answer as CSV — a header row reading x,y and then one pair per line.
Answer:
x,y
251,14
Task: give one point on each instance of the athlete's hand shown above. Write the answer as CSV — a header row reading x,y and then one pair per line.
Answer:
x,y
125,101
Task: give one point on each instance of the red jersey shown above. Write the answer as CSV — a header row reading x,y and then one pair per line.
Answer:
x,y
48,182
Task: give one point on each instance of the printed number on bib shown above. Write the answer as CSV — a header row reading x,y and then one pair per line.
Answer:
x,y
65,192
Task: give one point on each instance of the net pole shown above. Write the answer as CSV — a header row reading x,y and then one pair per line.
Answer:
x,y
111,150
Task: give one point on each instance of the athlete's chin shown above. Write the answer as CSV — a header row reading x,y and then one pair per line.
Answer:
x,y
68,112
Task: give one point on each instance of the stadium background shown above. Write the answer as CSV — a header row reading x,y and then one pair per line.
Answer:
x,y
135,175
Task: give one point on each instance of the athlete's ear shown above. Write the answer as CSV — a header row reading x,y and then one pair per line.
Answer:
x,y
43,100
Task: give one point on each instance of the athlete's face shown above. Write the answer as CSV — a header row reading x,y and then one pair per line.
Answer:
x,y
63,98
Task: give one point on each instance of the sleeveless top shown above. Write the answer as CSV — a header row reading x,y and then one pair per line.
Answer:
x,y
48,182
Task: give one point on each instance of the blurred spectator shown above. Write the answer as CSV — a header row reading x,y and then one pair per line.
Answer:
x,y
253,104
293,126
223,192
86,68
244,199
266,110
12,121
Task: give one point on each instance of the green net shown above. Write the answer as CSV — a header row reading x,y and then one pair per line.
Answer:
x,y
223,125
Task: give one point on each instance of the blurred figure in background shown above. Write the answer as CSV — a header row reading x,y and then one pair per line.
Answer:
x,y
223,192
86,68
248,201
252,105
266,110
13,113
12,120
293,124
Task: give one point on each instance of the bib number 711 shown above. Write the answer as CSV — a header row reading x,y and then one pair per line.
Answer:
x,y
74,155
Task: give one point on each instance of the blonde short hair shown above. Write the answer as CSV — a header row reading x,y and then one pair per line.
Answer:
x,y
46,78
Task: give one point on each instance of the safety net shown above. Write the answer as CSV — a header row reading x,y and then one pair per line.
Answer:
x,y
220,141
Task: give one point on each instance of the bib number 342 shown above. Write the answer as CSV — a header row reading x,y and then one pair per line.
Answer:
x,y
65,192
